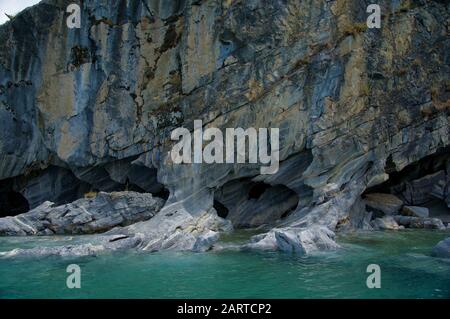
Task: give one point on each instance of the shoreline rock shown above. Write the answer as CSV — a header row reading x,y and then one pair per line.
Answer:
x,y
385,223
171,229
84,216
98,245
301,241
418,222
442,249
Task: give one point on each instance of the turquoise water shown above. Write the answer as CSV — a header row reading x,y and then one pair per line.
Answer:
x,y
407,271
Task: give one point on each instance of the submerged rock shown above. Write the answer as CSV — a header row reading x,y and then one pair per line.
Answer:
x,y
295,240
442,249
84,216
98,245
206,241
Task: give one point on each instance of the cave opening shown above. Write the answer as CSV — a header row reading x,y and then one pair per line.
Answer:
x,y
13,203
428,165
250,204
288,211
221,209
423,185
163,193
257,190
63,185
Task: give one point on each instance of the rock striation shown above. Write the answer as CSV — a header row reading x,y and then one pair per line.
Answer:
x,y
295,240
101,212
171,229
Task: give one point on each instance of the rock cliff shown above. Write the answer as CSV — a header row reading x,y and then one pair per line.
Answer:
x,y
93,108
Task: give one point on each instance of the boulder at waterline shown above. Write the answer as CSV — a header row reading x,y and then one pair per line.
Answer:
x,y
442,249
99,213
97,245
418,222
385,223
300,241
171,229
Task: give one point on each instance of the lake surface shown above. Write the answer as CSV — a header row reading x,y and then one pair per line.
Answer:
x,y
407,271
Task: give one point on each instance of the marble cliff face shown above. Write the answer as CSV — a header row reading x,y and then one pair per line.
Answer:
x,y
93,108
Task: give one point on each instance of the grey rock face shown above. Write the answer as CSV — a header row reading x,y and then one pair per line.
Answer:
x,y
62,251
418,222
84,216
170,229
416,211
386,203
55,184
442,249
253,204
300,241
206,241
385,223
358,218
99,245
173,228
426,188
